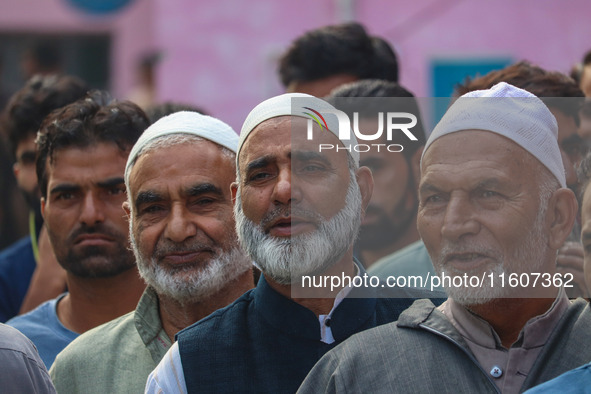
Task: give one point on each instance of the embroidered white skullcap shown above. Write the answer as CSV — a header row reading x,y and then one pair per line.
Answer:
x,y
511,112
296,104
184,122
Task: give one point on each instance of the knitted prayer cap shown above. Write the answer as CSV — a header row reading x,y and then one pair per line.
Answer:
x,y
184,122
295,104
511,112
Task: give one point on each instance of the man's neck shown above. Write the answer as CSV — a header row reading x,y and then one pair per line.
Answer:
x,y
319,300
175,316
508,316
91,302
371,255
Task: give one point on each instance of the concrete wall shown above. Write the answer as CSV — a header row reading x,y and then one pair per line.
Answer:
x,y
131,30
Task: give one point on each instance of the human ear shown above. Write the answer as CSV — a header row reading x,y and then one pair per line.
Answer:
x,y
560,216
365,182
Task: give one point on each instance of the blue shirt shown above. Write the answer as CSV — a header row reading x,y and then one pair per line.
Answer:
x,y
17,264
571,382
44,329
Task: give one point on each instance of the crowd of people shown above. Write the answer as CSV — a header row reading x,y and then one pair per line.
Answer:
x,y
307,253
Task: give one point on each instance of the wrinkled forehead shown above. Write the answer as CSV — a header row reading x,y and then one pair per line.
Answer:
x,y
288,136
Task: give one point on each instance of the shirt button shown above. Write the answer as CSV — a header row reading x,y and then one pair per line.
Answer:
x,y
496,372
327,322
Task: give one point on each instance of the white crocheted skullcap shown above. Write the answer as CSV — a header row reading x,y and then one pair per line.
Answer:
x,y
294,104
184,122
511,112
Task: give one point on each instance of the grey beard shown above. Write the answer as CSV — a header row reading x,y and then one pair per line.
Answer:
x,y
286,260
527,258
193,284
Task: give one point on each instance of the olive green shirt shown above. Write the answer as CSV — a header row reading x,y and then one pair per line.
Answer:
x,y
116,357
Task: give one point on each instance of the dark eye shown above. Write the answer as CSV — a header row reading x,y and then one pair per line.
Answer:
x,y
435,198
151,209
64,196
27,158
260,175
489,194
313,168
205,201
117,190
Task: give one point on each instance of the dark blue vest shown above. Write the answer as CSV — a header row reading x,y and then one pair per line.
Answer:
x,y
267,343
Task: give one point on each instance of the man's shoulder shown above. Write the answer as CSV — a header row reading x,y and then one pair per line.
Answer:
x,y
17,249
17,264
96,347
576,381
13,339
411,318
109,358
41,325
38,317
22,368
17,259
414,354
100,341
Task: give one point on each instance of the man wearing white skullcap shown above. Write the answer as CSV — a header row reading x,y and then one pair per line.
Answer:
x,y
181,227
297,211
494,209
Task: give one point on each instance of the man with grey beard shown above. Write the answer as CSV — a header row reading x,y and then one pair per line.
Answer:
x,y
297,213
493,211
181,227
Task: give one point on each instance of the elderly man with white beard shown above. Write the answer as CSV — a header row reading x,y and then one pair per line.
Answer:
x,y
493,205
179,205
297,212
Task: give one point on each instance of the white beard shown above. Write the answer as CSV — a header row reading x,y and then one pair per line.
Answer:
x,y
528,257
286,260
191,284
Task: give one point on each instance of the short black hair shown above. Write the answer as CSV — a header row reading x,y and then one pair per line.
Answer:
x,y
338,49
549,86
96,118
41,94
158,111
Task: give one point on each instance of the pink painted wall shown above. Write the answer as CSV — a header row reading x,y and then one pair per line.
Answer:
x,y
222,54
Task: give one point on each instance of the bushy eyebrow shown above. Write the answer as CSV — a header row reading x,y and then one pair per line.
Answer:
x,y
111,182
148,197
204,188
70,187
261,162
65,187
428,188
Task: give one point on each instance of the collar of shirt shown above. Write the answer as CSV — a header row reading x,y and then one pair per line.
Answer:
x,y
507,367
325,331
149,326
295,320
475,329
